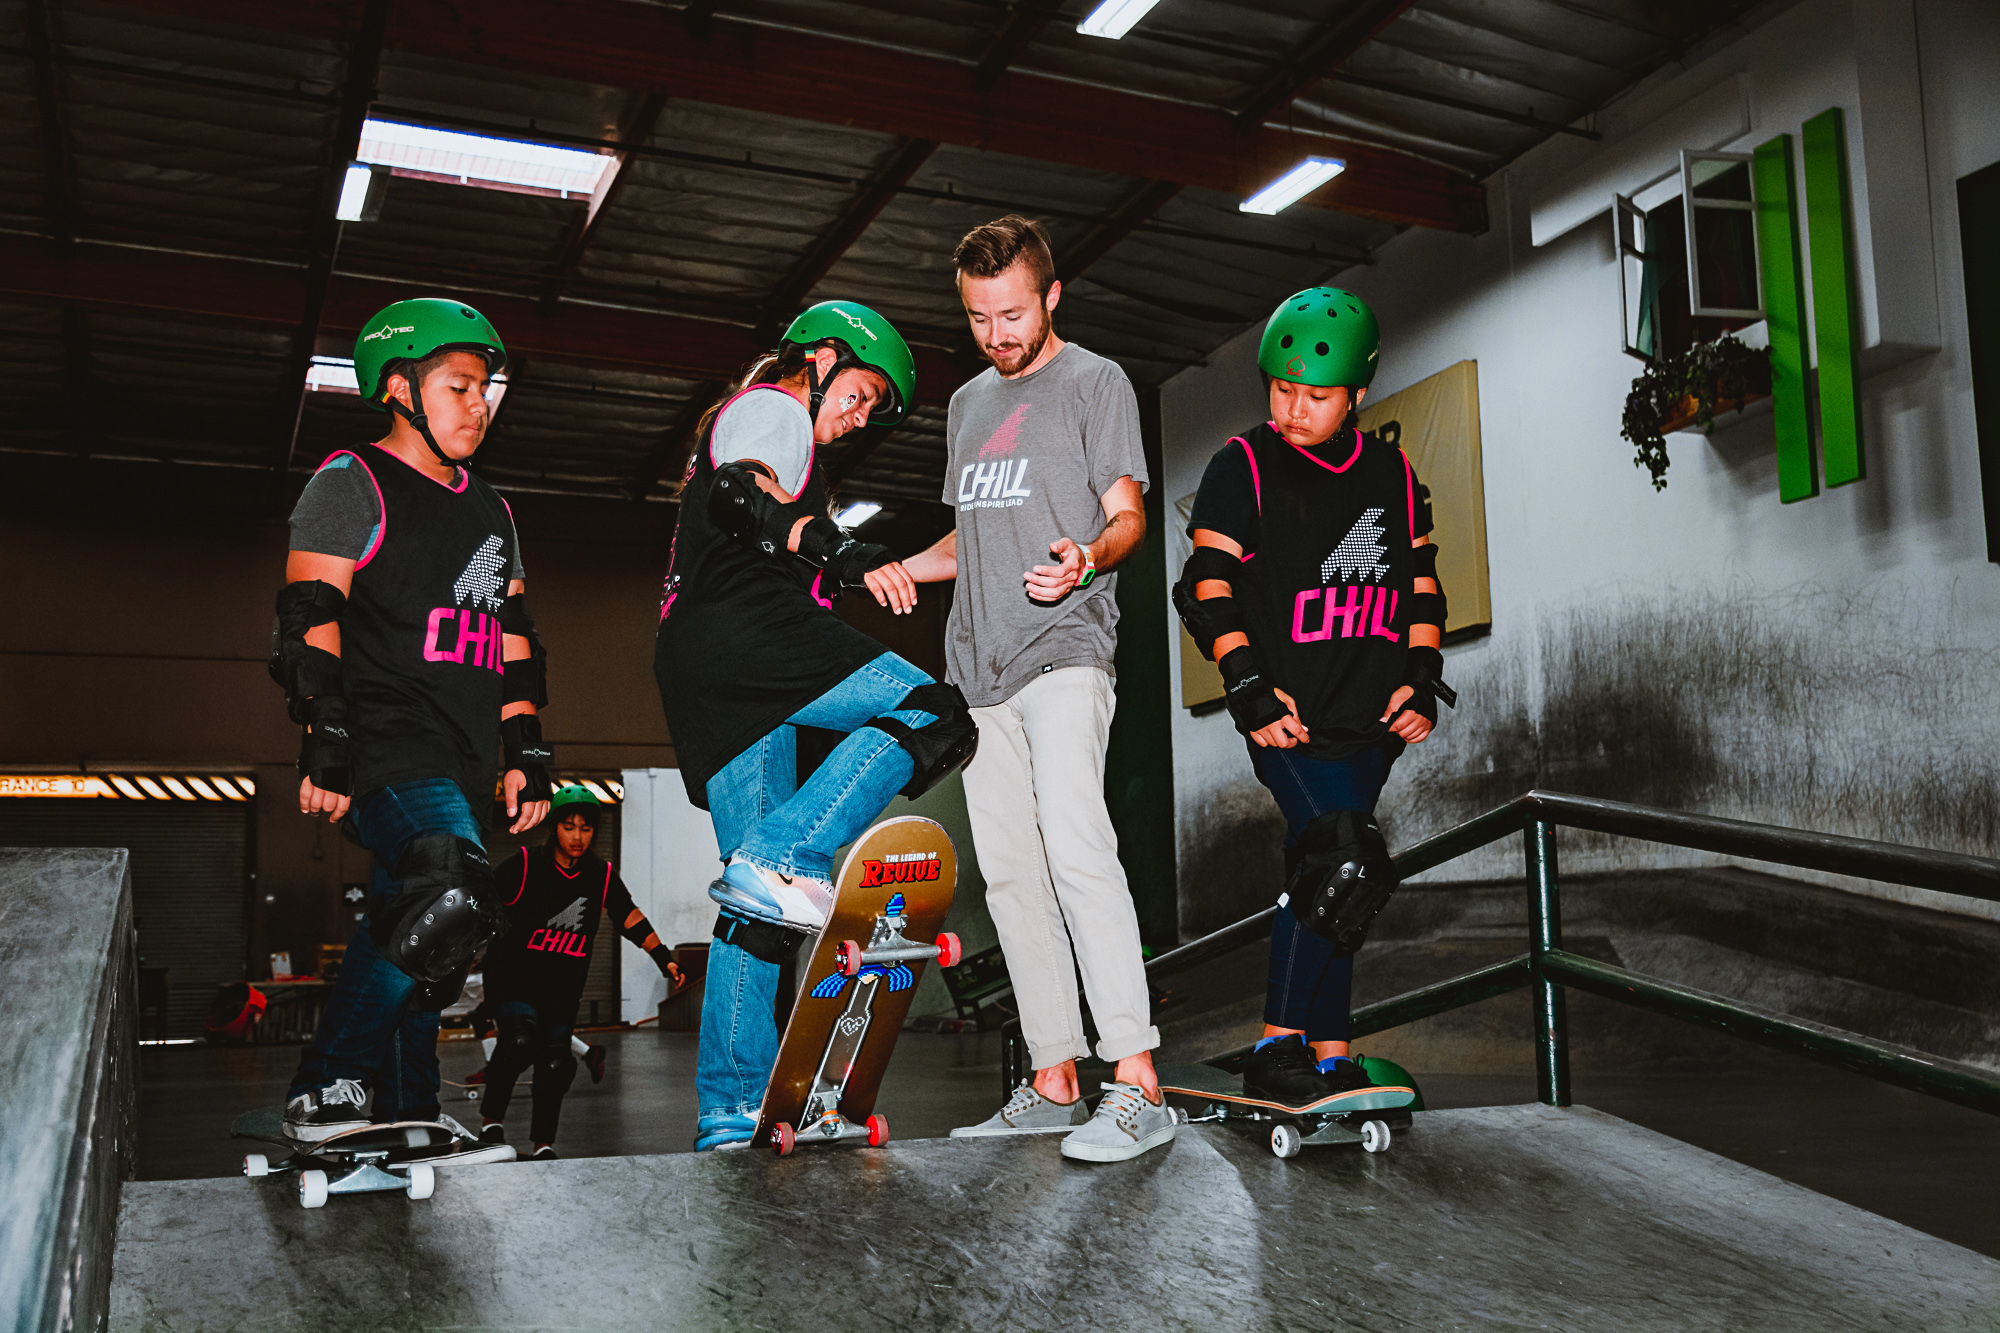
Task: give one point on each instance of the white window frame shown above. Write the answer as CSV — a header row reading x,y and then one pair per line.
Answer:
x,y
1689,203
1628,221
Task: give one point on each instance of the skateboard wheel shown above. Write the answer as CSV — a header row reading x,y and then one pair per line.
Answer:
x,y
1375,1136
256,1164
423,1180
1285,1141
850,958
950,952
783,1139
878,1130
312,1189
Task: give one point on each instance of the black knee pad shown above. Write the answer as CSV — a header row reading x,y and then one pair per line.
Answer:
x,y
432,997
1341,875
558,1069
448,910
938,749
516,1033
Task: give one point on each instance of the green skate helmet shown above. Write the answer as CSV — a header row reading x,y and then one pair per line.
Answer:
x,y
574,799
398,336
860,337
1322,336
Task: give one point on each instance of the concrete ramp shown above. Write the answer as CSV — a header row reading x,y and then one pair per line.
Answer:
x,y
1497,1218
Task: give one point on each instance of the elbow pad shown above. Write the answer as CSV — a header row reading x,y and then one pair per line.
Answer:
x,y
304,671
828,546
1208,619
1252,702
746,512
526,678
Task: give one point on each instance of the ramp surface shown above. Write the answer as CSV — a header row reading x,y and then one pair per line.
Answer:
x,y
1498,1218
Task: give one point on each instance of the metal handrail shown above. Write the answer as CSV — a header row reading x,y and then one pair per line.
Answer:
x,y
1547,968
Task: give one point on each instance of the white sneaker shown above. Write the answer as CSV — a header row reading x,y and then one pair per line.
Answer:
x,y
766,895
1027,1112
320,1114
1126,1124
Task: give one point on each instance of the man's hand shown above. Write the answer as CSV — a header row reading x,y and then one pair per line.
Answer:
x,y
1286,732
313,801
1412,727
1048,583
892,586
531,812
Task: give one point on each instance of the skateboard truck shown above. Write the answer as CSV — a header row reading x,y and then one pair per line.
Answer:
x,y
881,962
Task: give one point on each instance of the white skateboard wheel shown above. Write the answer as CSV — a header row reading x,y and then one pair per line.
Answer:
x,y
423,1181
1375,1136
256,1164
1285,1141
312,1189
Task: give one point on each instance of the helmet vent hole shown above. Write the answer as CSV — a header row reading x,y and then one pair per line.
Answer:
x,y
1285,341
1319,349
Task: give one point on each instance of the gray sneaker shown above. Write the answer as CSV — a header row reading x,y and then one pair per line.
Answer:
x,y
1126,1124
1026,1112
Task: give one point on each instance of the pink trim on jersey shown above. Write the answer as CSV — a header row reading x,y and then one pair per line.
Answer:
x,y
1410,490
1256,481
381,505
1321,461
524,881
811,451
814,591
604,897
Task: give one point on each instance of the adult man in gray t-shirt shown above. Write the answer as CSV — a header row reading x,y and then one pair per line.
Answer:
x,y
1047,476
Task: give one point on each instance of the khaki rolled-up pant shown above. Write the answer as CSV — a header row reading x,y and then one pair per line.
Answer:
x,y
1034,793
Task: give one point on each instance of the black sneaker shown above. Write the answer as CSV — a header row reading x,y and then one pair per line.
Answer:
x,y
312,1117
543,1154
593,1060
1345,1075
495,1133
1284,1071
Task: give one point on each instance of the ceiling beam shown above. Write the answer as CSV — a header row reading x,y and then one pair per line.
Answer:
x,y
364,63
636,130
863,209
1332,46
835,81
1023,25
58,181
673,442
1114,227
245,294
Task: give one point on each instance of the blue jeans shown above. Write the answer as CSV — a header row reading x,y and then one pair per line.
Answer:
x,y
366,1032
762,814
1311,988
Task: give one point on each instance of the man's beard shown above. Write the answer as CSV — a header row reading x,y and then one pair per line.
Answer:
x,y
1014,362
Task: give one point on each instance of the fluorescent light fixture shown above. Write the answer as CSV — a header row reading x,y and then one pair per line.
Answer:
x,y
354,192
1114,18
856,514
478,160
1294,185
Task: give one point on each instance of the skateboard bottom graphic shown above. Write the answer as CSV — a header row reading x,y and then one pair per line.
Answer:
x,y
1367,1116
402,1156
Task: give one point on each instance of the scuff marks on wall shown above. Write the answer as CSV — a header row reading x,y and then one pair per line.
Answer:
x,y
1230,862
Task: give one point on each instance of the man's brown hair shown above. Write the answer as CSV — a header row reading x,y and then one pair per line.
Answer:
x,y
990,250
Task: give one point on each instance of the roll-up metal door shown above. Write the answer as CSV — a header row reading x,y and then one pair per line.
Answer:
x,y
190,883
600,985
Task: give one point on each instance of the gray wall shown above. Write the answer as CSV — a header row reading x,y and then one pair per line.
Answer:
x,y
1827,664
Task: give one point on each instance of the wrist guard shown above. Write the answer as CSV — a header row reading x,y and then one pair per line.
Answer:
x,y
827,545
1251,700
1423,672
1208,619
522,744
323,744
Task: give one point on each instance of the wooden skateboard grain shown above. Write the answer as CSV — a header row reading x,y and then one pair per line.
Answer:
x,y
866,883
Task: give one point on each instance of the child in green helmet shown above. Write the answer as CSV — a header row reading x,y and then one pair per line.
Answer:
x,y
749,649
406,651
1313,587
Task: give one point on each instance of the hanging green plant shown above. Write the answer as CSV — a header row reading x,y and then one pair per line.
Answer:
x,y
1688,390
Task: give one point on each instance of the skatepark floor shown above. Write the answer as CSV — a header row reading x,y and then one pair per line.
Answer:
x,y
1909,1158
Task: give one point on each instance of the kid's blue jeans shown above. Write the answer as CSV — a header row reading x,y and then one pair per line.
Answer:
x,y
366,1032
762,814
1310,987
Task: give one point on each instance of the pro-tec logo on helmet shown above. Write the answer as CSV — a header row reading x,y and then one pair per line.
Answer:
x,y
388,331
855,322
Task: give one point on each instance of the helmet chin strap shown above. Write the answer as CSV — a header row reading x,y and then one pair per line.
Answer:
x,y
420,419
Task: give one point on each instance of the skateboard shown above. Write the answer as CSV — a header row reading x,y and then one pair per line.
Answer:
x,y
400,1155
894,889
1365,1116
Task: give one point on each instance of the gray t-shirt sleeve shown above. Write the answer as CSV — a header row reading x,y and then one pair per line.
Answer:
x,y
339,512
1112,446
770,426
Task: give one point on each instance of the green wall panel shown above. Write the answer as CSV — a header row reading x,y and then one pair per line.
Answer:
x,y
1784,308
1829,232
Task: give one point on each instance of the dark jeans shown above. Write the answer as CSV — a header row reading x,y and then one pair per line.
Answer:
x,y
367,1033
524,1040
1311,988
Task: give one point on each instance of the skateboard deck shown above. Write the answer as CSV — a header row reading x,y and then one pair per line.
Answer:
x,y
401,1155
889,904
1364,1116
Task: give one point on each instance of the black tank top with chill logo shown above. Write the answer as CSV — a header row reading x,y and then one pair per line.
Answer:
x,y
421,645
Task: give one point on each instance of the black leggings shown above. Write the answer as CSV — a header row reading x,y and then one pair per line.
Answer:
x,y
524,1040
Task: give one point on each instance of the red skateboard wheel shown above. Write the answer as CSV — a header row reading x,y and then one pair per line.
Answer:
x,y
950,952
850,958
783,1140
878,1131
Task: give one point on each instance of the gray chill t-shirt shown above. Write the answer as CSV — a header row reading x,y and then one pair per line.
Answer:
x,y
1030,461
